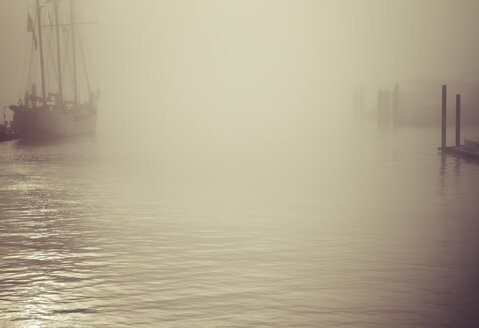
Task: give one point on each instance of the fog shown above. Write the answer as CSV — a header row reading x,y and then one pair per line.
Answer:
x,y
224,85
182,72
230,181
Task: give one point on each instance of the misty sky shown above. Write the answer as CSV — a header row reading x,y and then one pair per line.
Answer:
x,y
231,66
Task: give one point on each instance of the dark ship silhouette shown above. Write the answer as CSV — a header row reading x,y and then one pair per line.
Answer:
x,y
58,110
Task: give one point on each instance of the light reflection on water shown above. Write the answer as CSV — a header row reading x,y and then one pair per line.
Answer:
x,y
374,233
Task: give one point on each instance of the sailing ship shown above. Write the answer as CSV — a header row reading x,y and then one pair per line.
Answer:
x,y
64,106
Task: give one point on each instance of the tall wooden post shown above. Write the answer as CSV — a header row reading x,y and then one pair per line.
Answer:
x,y
458,120
361,101
386,108
443,129
380,109
355,104
396,106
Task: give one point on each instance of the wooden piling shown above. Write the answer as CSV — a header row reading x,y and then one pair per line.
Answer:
x,y
386,109
470,149
355,104
458,120
443,129
396,106
380,104
383,109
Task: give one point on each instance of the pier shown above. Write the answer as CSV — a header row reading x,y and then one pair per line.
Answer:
x,y
470,148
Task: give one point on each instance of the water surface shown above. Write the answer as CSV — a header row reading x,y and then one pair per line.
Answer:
x,y
366,230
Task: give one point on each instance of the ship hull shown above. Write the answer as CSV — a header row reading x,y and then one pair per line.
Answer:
x,y
53,123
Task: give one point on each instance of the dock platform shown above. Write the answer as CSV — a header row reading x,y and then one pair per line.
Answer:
x,y
462,151
470,150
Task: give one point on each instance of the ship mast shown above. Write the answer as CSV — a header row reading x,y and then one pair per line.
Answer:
x,y
72,22
40,39
60,87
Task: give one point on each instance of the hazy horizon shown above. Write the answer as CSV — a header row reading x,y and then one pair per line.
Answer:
x,y
251,69
231,181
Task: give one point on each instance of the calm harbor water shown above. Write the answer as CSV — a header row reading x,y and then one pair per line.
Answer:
x,y
376,231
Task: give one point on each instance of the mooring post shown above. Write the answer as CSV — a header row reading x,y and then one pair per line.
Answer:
x,y
355,103
386,108
380,103
458,120
443,130
396,105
